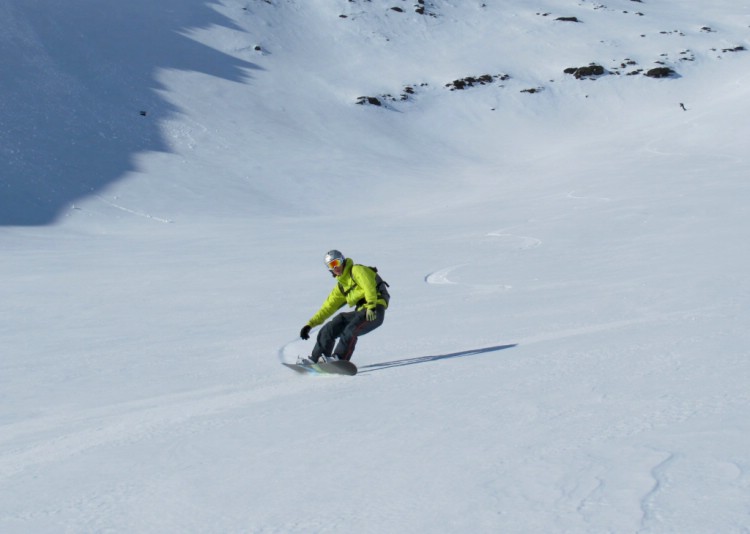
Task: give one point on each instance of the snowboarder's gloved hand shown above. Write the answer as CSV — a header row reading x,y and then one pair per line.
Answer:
x,y
371,315
305,332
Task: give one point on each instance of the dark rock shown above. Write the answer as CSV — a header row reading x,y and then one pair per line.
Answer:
x,y
371,100
660,72
471,81
590,71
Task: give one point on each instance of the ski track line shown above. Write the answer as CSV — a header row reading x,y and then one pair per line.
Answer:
x,y
441,277
591,500
27,443
659,475
133,212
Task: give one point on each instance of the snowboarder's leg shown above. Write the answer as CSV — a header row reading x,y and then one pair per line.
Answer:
x,y
328,334
357,326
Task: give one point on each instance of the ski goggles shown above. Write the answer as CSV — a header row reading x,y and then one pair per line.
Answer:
x,y
334,263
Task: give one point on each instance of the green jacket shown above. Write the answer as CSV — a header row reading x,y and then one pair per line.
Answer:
x,y
356,287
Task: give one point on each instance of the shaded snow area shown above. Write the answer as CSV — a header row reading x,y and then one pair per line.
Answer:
x,y
566,348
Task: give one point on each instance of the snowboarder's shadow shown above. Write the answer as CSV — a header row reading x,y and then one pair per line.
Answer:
x,y
424,359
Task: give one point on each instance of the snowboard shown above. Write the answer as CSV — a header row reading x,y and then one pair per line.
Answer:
x,y
338,367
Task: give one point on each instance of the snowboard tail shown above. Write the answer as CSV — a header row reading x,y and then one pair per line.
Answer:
x,y
338,367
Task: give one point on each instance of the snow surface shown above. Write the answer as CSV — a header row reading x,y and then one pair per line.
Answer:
x,y
567,344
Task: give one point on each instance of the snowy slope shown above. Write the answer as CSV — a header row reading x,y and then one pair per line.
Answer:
x,y
566,349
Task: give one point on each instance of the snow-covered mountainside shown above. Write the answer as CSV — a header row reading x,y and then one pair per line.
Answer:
x,y
556,193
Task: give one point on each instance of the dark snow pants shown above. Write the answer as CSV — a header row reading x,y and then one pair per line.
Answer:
x,y
346,327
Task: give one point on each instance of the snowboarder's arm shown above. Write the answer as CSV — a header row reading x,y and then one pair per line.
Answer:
x,y
331,305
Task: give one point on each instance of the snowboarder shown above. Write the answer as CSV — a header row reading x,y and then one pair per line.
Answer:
x,y
358,286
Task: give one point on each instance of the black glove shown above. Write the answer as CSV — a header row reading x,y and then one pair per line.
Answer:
x,y
305,332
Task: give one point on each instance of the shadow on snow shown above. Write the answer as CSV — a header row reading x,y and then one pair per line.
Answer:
x,y
76,77
425,359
